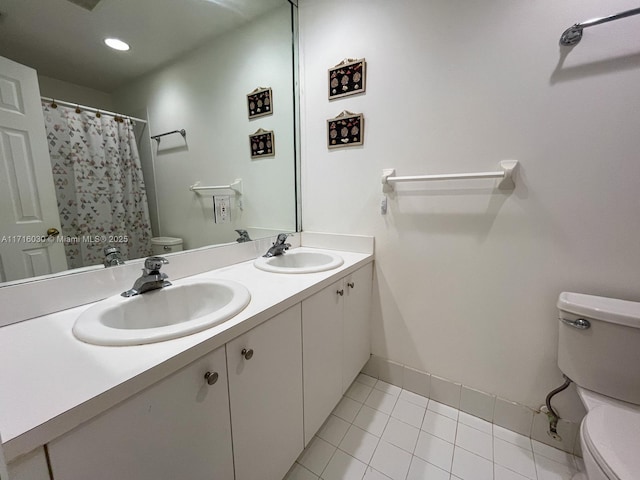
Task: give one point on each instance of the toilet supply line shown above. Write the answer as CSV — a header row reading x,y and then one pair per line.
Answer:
x,y
551,413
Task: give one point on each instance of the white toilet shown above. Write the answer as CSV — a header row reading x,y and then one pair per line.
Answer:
x,y
163,245
599,349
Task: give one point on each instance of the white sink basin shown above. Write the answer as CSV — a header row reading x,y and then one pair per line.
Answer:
x,y
181,309
299,262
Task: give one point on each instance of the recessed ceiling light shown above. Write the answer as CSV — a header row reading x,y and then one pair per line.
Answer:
x,y
116,44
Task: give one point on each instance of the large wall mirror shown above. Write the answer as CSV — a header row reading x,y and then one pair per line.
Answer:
x,y
81,169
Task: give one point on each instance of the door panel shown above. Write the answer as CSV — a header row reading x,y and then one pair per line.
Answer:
x,y
357,322
177,429
265,392
322,356
28,205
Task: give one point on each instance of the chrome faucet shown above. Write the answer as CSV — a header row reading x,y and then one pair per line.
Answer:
x,y
279,246
244,236
112,256
151,278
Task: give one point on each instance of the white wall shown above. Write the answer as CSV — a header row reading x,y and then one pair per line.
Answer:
x,y
70,92
467,276
205,94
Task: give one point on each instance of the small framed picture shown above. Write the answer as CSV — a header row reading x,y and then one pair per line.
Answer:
x,y
347,78
345,130
260,102
262,144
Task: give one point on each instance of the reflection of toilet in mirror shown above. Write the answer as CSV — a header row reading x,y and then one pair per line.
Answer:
x,y
599,350
163,245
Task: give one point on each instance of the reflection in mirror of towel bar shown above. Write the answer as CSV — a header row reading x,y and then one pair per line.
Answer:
x,y
182,132
236,186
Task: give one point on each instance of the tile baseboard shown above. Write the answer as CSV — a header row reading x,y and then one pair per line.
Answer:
x,y
499,411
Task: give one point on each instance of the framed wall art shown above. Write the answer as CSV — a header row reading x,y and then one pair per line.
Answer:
x,y
260,102
262,144
345,130
347,78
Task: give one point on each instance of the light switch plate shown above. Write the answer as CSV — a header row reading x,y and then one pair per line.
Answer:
x,y
222,208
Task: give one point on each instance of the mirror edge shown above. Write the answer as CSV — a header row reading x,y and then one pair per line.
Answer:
x,y
297,135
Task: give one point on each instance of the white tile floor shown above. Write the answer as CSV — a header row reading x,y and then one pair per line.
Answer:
x,y
381,432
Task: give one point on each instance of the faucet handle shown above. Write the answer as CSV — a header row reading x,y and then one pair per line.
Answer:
x,y
281,238
109,249
155,263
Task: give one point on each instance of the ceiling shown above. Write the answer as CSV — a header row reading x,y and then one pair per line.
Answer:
x,y
63,40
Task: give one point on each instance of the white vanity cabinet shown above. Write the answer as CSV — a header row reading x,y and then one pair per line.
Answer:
x,y
32,466
322,355
177,428
242,412
356,330
336,344
265,389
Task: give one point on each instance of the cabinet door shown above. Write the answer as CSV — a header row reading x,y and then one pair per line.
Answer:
x,y
32,466
265,390
357,322
322,355
178,428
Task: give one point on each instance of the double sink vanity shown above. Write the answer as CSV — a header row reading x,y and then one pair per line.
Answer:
x,y
225,374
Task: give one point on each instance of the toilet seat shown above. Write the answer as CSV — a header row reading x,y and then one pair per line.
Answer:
x,y
612,435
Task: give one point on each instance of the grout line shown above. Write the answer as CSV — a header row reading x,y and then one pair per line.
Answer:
x,y
327,465
516,472
455,439
307,469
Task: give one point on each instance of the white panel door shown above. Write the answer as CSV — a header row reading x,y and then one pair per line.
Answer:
x,y
322,346
28,205
265,392
357,322
177,429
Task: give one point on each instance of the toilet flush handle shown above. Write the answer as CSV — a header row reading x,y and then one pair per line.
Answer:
x,y
581,323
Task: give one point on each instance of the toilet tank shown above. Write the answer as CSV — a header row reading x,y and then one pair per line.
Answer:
x,y
163,245
605,356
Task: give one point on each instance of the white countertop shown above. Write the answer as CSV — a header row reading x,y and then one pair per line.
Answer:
x,y
51,382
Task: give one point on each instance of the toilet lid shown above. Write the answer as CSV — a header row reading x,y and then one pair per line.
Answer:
x,y
612,435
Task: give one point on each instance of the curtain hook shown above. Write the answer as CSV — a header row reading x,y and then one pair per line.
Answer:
x,y
98,114
53,103
78,109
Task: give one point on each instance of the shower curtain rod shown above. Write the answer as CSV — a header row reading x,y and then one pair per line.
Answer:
x,y
92,109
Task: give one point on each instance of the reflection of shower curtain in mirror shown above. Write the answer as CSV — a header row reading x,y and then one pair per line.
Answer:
x,y
99,186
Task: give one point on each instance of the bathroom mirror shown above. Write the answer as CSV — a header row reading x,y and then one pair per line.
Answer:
x,y
190,70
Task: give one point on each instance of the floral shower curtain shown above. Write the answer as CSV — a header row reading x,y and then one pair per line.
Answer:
x,y
99,186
